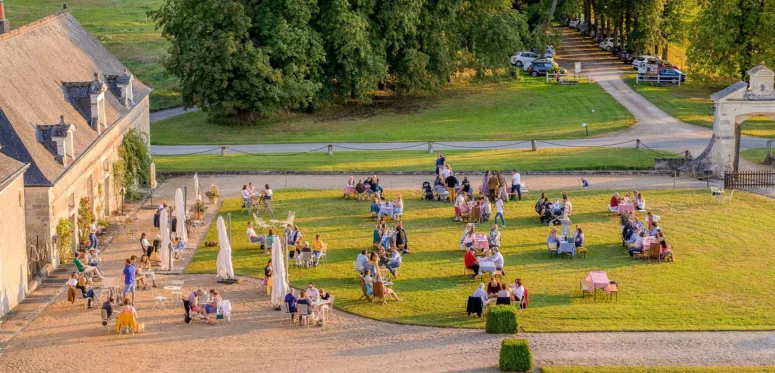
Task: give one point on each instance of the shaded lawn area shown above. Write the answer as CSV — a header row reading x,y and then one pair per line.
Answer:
x,y
123,28
461,160
721,279
641,369
691,103
513,110
755,155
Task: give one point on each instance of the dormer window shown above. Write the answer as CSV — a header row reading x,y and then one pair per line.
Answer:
x,y
59,139
89,99
121,86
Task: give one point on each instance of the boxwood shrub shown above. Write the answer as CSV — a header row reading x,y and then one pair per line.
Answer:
x,y
516,355
502,319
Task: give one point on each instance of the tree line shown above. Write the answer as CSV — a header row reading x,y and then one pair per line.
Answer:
x,y
724,37
249,58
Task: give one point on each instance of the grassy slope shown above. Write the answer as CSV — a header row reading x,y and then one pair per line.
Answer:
x,y
486,112
123,28
756,155
692,104
719,281
461,160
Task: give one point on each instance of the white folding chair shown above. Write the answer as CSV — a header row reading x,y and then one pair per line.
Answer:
x,y
224,310
291,217
284,311
523,189
268,207
303,314
304,259
106,320
159,302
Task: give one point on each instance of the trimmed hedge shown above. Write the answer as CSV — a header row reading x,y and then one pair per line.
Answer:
x,y
516,355
502,319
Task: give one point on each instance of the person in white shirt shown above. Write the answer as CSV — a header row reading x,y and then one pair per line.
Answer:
x,y
566,205
267,196
446,172
312,291
251,189
499,212
361,261
479,292
253,237
93,229
460,205
516,182
394,261
637,244
246,196
517,292
497,259
486,209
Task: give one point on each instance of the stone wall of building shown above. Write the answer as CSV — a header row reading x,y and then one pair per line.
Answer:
x,y
83,179
13,246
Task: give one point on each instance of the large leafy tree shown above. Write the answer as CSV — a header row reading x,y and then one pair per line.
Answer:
x,y
731,36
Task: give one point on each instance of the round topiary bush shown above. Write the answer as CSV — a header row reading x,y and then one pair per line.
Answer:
x,y
502,319
516,355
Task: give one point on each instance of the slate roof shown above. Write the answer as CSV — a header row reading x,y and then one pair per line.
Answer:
x,y
757,69
729,90
39,63
8,167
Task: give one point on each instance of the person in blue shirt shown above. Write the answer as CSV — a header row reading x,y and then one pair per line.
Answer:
x,y
394,261
290,300
553,238
579,238
130,271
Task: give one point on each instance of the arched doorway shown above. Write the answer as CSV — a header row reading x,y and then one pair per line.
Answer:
x,y
732,106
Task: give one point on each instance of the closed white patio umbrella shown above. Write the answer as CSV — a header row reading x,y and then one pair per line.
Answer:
x,y
180,213
279,279
165,240
152,183
225,270
197,190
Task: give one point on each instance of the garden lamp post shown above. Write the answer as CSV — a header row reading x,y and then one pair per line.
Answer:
x,y
586,128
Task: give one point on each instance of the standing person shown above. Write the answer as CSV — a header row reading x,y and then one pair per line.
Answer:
x,y
516,184
501,186
130,272
93,229
439,162
492,186
445,171
499,211
451,182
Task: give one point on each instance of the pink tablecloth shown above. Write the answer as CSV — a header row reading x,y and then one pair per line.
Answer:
x,y
480,241
626,207
350,189
599,280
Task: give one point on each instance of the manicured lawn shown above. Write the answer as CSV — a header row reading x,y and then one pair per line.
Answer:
x,y
691,103
477,112
721,279
461,160
755,155
123,28
713,369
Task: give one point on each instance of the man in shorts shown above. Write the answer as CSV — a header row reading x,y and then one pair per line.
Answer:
x,y
130,272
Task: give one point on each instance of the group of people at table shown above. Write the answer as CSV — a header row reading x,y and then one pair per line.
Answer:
x,y
370,186
293,237
485,245
317,302
499,293
635,235
370,266
249,193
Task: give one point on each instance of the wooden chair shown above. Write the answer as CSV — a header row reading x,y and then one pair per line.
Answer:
x,y
581,250
470,272
613,287
365,297
586,288
498,273
552,248
654,251
379,293
466,216
476,214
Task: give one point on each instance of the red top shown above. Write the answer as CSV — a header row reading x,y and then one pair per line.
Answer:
x,y
470,258
614,201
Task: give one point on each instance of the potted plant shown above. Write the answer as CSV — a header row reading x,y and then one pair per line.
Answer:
x,y
199,209
213,193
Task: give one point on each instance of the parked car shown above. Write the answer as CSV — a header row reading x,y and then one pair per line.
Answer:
x,y
636,62
608,43
666,64
581,25
538,60
523,58
542,68
573,23
672,75
626,55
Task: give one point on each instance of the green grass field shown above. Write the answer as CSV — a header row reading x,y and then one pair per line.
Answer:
x,y
691,103
461,160
514,110
123,28
755,155
720,280
628,369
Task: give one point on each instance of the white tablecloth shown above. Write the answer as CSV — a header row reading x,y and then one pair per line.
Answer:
x,y
486,266
567,247
386,210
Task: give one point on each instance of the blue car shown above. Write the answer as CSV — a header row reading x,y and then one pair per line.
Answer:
x,y
671,75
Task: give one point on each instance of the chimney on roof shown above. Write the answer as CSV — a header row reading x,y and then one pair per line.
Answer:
x,y
4,25
97,98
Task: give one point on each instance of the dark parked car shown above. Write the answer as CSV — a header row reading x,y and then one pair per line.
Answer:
x,y
542,68
672,75
626,56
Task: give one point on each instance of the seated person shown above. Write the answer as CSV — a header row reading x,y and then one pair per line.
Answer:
x,y
85,293
266,195
85,269
613,205
374,188
387,290
497,259
640,202
128,308
503,297
440,188
382,254
398,204
486,209
368,282
360,188
212,306
375,202
471,262
493,287
372,264
246,196
465,187
401,240
193,300
92,258
108,307
553,238
255,238
479,292
539,207
665,250
304,299
312,291
180,247
494,238
654,229
637,244
518,292
317,248
394,261
468,239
